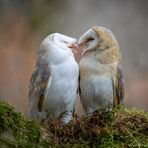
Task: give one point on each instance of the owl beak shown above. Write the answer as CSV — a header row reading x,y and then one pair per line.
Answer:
x,y
84,44
74,47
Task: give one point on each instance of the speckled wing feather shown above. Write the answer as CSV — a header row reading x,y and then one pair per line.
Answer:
x,y
38,84
118,87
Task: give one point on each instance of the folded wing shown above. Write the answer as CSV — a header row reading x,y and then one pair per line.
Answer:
x,y
38,85
118,86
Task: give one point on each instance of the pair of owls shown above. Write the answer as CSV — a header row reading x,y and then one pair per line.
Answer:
x,y
57,77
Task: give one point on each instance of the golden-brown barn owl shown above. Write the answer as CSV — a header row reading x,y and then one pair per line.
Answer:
x,y
54,82
101,81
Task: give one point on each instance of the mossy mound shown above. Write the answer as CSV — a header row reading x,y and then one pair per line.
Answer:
x,y
17,131
120,128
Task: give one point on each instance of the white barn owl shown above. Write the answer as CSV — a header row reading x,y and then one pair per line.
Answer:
x,y
54,82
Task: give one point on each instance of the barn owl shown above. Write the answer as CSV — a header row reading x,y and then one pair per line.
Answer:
x,y
54,82
101,81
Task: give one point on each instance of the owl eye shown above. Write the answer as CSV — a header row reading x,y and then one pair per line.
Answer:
x,y
91,39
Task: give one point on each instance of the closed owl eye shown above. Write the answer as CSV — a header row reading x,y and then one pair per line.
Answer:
x,y
87,41
91,39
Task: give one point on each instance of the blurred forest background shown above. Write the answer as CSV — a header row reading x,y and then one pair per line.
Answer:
x,y
25,23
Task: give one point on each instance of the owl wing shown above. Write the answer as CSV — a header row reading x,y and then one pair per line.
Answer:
x,y
118,86
39,82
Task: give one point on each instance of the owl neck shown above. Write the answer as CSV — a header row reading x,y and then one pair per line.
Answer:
x,y
108,56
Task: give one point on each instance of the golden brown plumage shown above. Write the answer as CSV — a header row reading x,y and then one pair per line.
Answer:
x,y
107,41
101,80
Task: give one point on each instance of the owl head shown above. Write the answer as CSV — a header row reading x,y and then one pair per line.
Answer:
x,y
58,41
97,39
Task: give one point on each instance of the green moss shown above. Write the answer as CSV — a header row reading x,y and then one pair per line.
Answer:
x,y
120,128
17,131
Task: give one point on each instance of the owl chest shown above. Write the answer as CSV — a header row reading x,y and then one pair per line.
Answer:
x,y
63,80
95,82
89,66
96,92
96,85
63,74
